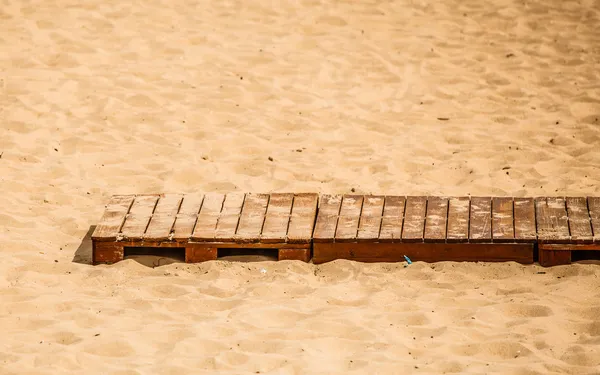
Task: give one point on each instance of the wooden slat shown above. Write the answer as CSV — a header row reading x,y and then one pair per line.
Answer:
x,y
580,227
163,218
594,209
139,216
347,228
551,217
458,219
229,217
187,216
277,218
391,222
168,204
436,219
480,221
524,216
206,225
113,217
503,229
327,218
252,218
414,219
302,219
370,218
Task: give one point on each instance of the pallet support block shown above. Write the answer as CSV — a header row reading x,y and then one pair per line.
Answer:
x,y
197,254
104,252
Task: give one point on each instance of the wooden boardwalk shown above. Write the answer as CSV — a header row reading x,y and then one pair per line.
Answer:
x,y
385,229
203,224
358,227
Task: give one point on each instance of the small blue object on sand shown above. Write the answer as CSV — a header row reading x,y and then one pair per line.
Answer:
x,y
407,260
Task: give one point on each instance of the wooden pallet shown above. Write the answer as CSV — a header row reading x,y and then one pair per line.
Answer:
x,y
203,224
357,227
566,225
385,228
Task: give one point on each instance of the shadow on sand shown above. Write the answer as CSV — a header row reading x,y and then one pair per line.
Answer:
x,y
83,254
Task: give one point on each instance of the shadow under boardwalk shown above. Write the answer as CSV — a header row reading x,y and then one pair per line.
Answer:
x,y
83,254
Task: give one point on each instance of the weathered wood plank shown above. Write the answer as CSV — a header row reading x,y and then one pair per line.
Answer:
x,y
277,218
594,210
436,219
393,216
458,219
252,218
229,218
206,225
187,216
428,252
347,228
163,219
191,204
370,218
503,229
480,221
168,204
552,223
327,218
524,216
302,219
580,227
414,219
139,216
113,218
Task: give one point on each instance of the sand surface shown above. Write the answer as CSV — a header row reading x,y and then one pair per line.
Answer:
x,y
102,97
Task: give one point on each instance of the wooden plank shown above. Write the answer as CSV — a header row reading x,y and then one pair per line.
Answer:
x,y
570,246
277,218
113,218
229,218
424,251
524,216
347,228
252,218
436,219
206,225
139,216
327,218
414,219
393,216
458,219
503,229
580,226
594,210
370,218
552,223
163,219
187,216
302,219
480,220
168,204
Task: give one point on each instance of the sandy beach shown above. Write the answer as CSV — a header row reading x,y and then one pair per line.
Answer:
x,y
385,97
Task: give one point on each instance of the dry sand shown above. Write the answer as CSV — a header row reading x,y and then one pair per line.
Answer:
x,y
100,97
